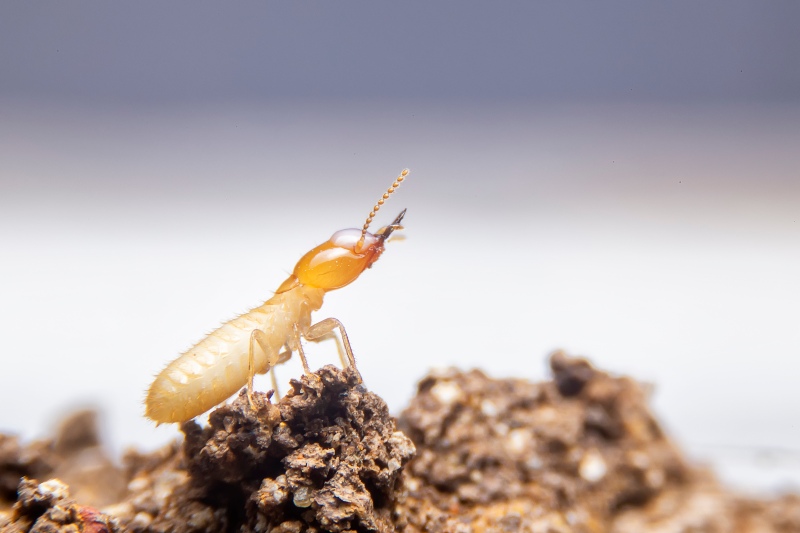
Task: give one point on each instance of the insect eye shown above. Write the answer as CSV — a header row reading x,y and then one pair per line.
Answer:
x,y
348,238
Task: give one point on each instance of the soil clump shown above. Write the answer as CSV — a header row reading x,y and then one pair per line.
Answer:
x,y
579,453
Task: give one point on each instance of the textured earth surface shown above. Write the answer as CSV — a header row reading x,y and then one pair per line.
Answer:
x,y
578,453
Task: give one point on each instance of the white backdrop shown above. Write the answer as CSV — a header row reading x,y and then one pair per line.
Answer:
x,y
660,241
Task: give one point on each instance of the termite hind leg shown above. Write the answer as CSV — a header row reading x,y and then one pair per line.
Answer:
x,y
282,358
324,327
274,381
256,337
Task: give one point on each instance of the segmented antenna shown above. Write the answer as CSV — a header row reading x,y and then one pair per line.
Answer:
x,y
375,209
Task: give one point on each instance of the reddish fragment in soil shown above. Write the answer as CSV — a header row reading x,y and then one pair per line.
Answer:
x,y
75,456
47,508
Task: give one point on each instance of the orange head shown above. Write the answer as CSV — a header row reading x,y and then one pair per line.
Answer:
x,y
342,258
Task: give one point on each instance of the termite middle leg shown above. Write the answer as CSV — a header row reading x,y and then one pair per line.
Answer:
x,y
324,327
300,352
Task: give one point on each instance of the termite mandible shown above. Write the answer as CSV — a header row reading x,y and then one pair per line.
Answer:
x,y
253,343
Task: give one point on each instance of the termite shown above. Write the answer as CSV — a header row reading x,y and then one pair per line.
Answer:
x,y
253,343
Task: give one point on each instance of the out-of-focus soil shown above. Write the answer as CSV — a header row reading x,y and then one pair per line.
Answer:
x,y
75,456
579,453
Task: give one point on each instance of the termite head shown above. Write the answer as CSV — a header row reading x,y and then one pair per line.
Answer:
x,y
349,252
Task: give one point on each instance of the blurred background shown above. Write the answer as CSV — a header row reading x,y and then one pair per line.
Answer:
x,y
617,179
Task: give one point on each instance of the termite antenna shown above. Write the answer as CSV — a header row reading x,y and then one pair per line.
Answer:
x,y
377,206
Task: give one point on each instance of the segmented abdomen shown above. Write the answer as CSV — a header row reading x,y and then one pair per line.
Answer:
x,y
216,367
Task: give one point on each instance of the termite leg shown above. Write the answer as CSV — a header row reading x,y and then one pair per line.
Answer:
x,y
282,358
339,348
285,355
324,327
300,351
258,337
274,381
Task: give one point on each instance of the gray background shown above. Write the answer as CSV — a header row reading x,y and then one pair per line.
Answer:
x,y
617,179
197,53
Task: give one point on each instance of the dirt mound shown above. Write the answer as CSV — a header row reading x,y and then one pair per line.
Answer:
x,y
580,453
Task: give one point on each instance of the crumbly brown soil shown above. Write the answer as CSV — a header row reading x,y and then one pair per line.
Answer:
x,y
580,453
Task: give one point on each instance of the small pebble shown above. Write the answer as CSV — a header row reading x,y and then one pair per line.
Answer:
x,y
592,467
447,392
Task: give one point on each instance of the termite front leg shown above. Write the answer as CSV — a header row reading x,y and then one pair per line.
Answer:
x,y
324,327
